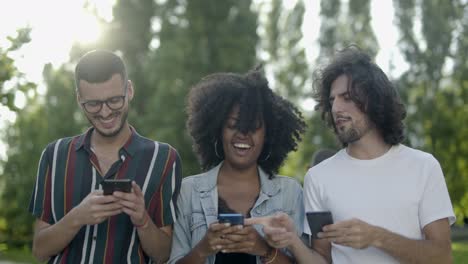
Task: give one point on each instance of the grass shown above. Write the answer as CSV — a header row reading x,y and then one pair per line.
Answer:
x,y
17,255
460,252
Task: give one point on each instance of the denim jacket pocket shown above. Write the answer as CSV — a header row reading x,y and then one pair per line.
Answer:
x,y
197,220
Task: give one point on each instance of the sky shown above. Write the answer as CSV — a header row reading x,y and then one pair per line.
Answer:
x,y
57,24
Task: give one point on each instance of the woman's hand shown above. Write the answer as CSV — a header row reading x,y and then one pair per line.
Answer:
x,y
279,229
214,239
245,240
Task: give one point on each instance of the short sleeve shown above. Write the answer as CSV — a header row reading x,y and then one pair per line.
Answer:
x,y
181,238
435,201
40,202
298,207
312,197
171,188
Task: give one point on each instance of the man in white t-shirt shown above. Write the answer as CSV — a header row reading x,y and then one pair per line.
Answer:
x,y
389,202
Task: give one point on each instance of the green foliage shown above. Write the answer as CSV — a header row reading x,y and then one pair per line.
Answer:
x,y
287,59
36,125
343,25
11,80
287,62
16,255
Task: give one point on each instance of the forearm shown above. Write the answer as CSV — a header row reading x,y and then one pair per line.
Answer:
x,y
51,240
413,251
304,254
155,242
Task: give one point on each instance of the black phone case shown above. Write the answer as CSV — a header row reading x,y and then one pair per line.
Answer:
x,y
110,186
317,220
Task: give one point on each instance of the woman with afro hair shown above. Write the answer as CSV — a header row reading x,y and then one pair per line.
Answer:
x,y
242,132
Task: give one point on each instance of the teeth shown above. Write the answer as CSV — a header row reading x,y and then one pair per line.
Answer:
x,y
241,145
107,120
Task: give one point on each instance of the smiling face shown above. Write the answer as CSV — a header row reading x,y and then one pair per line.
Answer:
x,y
107,122
241,150
351,124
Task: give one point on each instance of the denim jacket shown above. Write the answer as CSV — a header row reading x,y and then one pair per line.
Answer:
x,y
198,208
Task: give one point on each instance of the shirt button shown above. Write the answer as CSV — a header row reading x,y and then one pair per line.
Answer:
x,y
94,237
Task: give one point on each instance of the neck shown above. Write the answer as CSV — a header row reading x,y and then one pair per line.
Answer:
x,y
114,142
231,173
370,146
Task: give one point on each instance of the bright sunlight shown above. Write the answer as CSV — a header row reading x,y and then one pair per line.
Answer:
x,y
55,26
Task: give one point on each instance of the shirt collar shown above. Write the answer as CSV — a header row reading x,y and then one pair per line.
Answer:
x,y
130,147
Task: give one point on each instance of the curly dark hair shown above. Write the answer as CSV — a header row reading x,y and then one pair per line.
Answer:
x,y
369,88
211,100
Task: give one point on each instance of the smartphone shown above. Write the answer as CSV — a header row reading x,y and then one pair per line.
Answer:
x,y
111,185
317,220
233,219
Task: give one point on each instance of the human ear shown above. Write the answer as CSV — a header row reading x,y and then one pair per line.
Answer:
x,y
130,91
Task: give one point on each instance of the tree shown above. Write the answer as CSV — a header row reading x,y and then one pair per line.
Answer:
x,y
42,120
11,80
286,54
436,94
343,25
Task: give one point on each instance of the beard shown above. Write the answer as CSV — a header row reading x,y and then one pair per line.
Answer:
x,y
112,133
349,135
352,134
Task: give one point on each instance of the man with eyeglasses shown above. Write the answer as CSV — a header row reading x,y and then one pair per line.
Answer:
x,y
75,221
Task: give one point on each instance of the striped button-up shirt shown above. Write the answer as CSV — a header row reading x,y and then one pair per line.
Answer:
x,y
68,171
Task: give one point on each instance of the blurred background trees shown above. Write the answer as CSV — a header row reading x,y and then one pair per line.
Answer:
x,y
169,45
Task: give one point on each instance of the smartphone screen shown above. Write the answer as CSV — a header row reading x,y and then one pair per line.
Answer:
x,y
233,219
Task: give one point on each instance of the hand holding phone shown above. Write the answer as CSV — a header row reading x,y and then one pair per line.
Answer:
x,y
233,219
317,220
111,185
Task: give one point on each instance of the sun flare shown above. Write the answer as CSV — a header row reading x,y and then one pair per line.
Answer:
x,y
55,26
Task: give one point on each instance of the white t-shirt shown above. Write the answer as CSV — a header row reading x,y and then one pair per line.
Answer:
x,y
401,191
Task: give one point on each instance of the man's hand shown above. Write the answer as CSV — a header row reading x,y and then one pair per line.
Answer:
x,y
133,204
95,208
352,233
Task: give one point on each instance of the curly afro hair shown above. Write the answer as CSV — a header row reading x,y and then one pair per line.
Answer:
x,y
211,100
369,88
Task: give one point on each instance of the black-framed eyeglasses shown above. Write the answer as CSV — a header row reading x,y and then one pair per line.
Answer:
x,y
114,103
